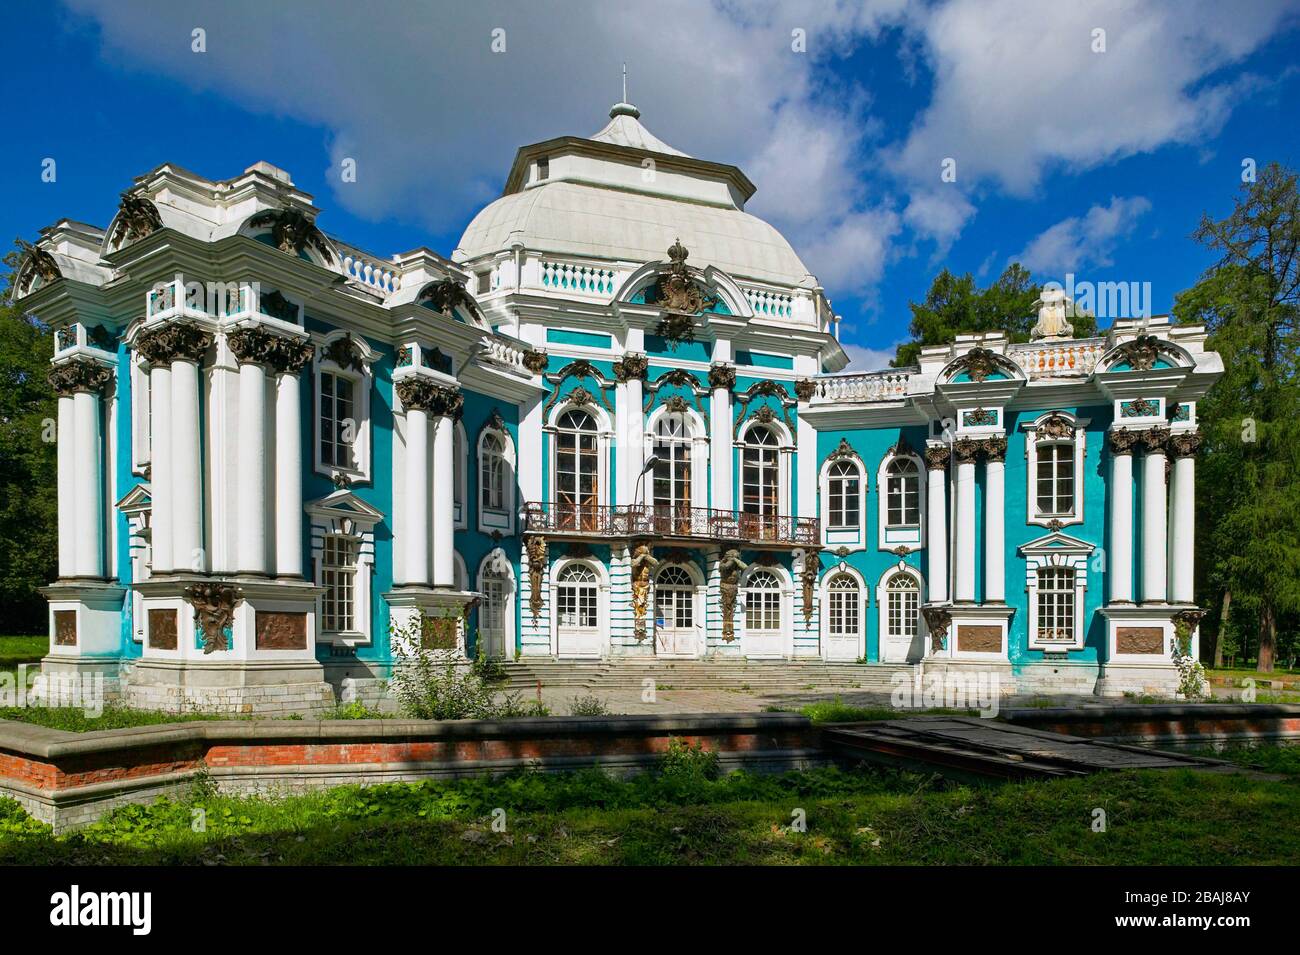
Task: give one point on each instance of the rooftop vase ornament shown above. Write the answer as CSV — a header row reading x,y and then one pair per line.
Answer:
x,y
681,296
137,217
293,232
214,611
37,263
729,569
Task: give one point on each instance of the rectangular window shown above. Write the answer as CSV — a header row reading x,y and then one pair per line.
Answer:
x,y
483,283
338,424
338,577
1055,480
1056,604
844,613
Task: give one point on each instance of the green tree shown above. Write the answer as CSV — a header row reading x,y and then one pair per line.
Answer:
x,y
1249,479
955,306
28,473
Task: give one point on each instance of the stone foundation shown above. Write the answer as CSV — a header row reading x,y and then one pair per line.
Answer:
x,y
273,689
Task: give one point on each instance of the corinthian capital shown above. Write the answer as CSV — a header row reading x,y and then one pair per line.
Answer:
x,y
176,341
1184,444
966,450
995,448
278,352
421,394
1155,440
936,457
78,375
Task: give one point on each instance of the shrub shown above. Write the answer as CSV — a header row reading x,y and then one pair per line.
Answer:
x,y
688,763
588,706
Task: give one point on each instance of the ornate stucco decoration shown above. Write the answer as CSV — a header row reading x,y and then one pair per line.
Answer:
x,y
978,363
682,379
258,346
805,388
1138,408
535,361
345,353
37,263
1141,353
137,217
1054,427
293,232
446,295
812,566
535,548
581,397
1154,440
994,448
677,404
214,611
78,375
1121,440
424,395
937,621
643,565
729,569
1184,444
966,450
936,457
764,389
678,289
842,451
722,376
176,341
1055,524
980,417
631,367
902,550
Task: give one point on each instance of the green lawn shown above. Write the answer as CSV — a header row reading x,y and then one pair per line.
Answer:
x,y
21,649
865,816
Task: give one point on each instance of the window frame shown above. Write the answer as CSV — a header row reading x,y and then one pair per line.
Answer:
x,y
1078,439
892,536
363,384
501,518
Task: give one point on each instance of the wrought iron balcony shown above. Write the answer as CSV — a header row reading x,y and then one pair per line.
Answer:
x,y
670,523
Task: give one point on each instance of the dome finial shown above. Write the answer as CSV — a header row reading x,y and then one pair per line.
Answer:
x,y
623,107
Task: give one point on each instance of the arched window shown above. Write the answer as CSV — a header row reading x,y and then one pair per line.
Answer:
x,y
576,597
1055,489
761,481
842,594
903,608
672,473
459,465
844,491
492,473
763,602
1056,604
577,491
902,493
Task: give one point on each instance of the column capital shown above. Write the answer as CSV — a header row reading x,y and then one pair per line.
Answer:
x,y
535,360
722,376
424,395
258,346
632,366
936,457
994,448
1185,444
1155,440
966,450
175,341
1121,440
79,374
804,389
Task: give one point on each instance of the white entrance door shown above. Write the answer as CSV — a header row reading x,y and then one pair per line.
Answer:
x,y
844,621
492,617
764,637
902,613
675,613
577,603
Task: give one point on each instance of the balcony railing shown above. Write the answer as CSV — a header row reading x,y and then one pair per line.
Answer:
x,y
681,523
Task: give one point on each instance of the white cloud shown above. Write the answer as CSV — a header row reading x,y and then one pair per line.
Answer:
x,y
1081,241
862,358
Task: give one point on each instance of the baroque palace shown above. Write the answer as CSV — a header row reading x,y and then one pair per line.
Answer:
x,y
613,424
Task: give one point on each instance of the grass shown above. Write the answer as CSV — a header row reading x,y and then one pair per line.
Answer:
x,y
22,649
864,816
1247,673
114,717
1269,758
837,711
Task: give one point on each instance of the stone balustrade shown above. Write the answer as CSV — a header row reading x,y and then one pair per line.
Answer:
x,y
870,386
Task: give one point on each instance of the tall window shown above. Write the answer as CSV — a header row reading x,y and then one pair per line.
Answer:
x,y
1055,478
842,594
338,576
576,471
904,603
844,486
903,493
576,597
675,599
763,602
492,613
1056,603
492,473
760,475
338,421
672,473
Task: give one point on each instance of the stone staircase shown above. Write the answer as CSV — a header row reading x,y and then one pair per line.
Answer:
x,y
757,676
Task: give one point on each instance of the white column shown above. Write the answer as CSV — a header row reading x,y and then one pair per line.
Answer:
x,y
963,557
187,473
444,545
1182,530
936,541
720,448
88,484
1120,558
1154,527
995,576
67,454
251,506
160,467
288,475
416,525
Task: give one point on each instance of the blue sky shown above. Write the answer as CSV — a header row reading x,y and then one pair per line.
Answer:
x,y
1068,157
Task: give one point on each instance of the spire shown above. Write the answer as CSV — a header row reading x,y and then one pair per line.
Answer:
x,y
623,107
